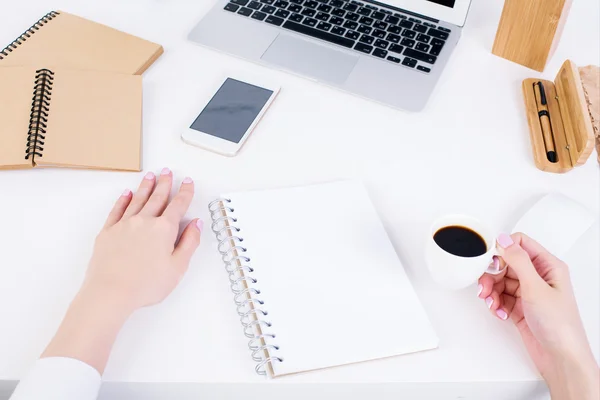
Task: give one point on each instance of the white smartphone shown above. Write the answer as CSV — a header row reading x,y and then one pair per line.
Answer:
x,y
228,118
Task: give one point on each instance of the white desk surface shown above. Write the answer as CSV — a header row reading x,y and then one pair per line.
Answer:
x,y
469,151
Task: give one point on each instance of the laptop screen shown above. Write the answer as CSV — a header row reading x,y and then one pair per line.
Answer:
x,y
450,11
447,3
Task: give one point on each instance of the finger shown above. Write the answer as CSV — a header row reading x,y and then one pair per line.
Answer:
x,y
517,314
141,196
511,273
486,285
512,287
487,281
533,248
158,200
544,261
188,243
493,301
119,209
176,210
508,304
519,260
501,263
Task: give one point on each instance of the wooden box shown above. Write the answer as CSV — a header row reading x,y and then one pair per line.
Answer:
x,y
570,121
529,31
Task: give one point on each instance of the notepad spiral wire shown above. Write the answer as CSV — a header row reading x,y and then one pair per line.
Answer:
x,y
27,34
243,285
40,108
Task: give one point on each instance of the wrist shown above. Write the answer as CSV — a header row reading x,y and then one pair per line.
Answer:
x,y
575,377
89,328
112,305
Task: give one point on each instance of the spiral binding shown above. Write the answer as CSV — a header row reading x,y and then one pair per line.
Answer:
x,y
27,34
38,118
248,305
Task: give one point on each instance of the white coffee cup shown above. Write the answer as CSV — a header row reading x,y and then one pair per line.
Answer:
x,y
456,272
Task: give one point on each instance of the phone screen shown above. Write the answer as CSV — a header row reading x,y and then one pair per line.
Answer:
x,y
232,110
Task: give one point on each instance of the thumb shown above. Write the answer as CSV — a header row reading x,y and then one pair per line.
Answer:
x,y
518,259
188,243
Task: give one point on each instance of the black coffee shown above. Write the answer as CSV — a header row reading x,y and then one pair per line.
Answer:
x,y
460,241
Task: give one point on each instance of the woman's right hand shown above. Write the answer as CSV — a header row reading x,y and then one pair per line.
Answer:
x,y
536,293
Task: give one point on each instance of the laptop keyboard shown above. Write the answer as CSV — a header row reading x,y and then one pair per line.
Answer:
x,y
365,28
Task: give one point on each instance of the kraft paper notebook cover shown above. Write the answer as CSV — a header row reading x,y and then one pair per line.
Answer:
x,y
68,118
315,279
64,40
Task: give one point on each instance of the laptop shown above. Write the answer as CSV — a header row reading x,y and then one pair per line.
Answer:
x,y
389,51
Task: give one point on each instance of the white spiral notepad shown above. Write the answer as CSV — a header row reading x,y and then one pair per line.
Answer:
x,y
316,280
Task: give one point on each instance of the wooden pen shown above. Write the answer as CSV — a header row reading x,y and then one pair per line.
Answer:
x,y
544,115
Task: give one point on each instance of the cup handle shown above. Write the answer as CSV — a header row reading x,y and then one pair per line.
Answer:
x,y
492,269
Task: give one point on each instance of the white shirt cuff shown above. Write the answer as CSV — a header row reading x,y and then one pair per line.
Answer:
x,y
59,378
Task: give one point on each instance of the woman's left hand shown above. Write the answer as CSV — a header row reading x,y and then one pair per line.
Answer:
x,y
137,262
137,258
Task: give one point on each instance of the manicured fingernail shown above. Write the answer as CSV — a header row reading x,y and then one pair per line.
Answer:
x,y
505,240
496,263
149,176
200,225
187,180
165,171
489,301
502,314
479,289
126,193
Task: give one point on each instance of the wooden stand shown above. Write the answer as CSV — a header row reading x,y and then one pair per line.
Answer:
x,y
529,31
569,116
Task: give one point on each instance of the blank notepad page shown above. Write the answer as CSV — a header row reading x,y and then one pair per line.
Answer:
x,y
332,284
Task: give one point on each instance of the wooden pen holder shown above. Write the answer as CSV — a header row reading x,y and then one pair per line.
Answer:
x,y
570,121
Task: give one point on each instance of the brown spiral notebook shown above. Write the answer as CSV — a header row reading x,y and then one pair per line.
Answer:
x,y
70,118
64,40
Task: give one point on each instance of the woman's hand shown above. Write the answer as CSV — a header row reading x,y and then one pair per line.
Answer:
x,y
136,258
137,262
535,292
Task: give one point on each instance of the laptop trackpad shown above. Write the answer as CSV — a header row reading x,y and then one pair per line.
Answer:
x,y
316,61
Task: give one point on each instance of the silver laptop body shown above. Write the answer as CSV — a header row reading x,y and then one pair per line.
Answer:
x,y
381,64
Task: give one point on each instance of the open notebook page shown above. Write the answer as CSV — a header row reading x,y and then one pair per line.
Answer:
x,y
333,286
